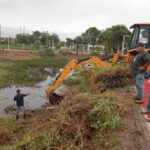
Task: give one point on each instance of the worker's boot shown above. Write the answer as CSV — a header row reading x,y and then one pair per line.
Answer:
x,y
25,116
17,117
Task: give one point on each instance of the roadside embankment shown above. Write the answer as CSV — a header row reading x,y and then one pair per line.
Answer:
x,y
90,119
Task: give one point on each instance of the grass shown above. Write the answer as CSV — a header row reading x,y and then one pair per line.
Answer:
x,y
8,128
16,71
76,124
10,109
64,51
89,120
47,53
102,79
72,80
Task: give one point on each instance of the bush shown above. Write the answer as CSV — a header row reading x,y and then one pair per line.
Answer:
x,y
102,79
72,80
95,54
64,52
47,53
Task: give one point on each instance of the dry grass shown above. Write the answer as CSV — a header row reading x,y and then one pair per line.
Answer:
x,y
102,79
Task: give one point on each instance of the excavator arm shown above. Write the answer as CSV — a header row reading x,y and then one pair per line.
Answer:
x,y
73,65
65,72
126,58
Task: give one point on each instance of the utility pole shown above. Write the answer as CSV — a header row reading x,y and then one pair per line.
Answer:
x,y
8,42
124,36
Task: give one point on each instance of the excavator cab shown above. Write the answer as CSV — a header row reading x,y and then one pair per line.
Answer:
x,y
141,33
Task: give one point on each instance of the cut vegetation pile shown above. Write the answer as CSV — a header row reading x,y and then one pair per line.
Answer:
x,y
102,79
86,121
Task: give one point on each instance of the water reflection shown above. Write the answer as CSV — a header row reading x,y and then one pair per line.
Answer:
x,y
37,97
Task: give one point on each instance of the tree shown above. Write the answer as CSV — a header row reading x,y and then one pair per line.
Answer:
x,y
69,43
54,39
60,44
92,35
112,37
45,39
37,38
85,40
78,41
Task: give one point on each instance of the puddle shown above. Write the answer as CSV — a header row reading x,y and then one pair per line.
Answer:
x,y
37,97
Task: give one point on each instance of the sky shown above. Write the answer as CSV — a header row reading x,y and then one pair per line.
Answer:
x,y
70,17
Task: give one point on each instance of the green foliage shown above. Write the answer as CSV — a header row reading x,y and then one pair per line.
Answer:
x,y
86,117
8,127
104,119
43,141
72,80
113,37
47,53
64,51
102,79
78,42
69,42
37,40
15,72
59,45
95,54
92,34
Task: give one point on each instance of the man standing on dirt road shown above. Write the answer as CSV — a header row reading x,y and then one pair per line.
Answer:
x,y
139,70
19,98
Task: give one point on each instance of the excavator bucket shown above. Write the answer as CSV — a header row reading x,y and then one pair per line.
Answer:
x,y
55,99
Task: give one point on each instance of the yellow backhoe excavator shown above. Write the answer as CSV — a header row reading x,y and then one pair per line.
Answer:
x,y
141,33
76,65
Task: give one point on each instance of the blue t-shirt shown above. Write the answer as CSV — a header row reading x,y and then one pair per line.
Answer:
x,y
19,98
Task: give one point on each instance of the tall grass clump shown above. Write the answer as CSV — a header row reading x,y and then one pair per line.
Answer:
x,y
47,53
102,79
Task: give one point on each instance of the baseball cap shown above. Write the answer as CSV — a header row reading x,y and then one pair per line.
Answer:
x,y
140,44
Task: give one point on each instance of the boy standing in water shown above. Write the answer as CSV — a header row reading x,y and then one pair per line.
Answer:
x,y
19,98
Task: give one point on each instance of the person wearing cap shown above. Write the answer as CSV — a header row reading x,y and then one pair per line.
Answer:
x,y
139,70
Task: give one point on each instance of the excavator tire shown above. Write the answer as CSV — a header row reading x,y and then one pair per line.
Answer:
x,y
55,99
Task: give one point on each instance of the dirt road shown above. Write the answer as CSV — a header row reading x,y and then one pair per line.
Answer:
x,y
15,54
19,54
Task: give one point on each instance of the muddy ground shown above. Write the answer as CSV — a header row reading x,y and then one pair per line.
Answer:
x,y
15,54
19,54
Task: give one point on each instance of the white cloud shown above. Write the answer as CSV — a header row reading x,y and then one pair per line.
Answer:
x,y
72,15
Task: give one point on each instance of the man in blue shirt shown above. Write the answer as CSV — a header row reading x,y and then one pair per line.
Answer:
x,y
19,98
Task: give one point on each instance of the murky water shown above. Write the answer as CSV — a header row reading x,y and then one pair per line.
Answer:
x,y
37,97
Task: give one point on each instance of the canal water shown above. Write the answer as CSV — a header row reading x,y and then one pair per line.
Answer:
x,y
37,97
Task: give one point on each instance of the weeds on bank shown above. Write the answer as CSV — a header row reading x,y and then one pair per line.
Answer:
x,y
15,72
90,119
47,53
77,122
72,80
102,79
8,128
64,52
